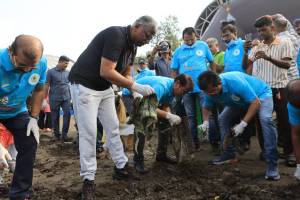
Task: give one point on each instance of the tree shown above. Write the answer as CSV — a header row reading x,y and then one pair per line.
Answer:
x,y
168,30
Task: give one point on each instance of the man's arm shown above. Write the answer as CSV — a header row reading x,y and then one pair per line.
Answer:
x,y
246,64
214,66
252,110
174,73
46,89
205,112
284,63
37,98
152,56
108,71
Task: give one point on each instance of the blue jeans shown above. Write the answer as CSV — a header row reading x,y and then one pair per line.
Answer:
x,y
232,115
189,100
55,115
214,130
26,147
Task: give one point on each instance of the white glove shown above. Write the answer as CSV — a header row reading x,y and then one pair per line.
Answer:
x,y
173,119
144,90
204,126
44,104
33,126
4,157
136,95
239,129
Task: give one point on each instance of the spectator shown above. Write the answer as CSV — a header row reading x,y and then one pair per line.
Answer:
x,y
273,56
107,60
214,47
59,97
162,64
44,121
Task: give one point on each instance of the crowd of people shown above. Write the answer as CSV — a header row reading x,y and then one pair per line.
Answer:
x,y
250,88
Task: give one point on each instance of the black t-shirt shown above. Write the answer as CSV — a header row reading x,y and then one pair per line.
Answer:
x,y
113,43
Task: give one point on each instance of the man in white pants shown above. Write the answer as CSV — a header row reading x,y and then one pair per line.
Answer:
x,y
106,60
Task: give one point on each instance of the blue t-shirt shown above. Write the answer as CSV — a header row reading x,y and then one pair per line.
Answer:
x,y
294,115
192,60
163,87
143,73
238,89
16,86
233,57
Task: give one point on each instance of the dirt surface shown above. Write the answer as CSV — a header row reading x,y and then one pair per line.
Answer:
x,y
56,176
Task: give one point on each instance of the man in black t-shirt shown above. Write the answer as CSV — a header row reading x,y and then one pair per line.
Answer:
x,y
107,60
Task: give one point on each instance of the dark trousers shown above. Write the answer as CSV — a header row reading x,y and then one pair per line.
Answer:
x,y
26,147
45,120
99,143
283,126
164,132
55,114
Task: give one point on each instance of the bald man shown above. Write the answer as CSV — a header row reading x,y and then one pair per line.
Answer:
x,y
22,72
293,97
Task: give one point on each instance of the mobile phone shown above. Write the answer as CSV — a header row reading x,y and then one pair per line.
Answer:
x,y
248,37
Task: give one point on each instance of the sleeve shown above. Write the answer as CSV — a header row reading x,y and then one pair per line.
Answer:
x,y
175,61
114,43
43,71
208,102
209,55
159,91
242,88
287,49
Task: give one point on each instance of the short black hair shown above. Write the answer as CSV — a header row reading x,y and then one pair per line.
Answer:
x,y
229,27
63,59
184,80
189,31
208,78
293,92
265,20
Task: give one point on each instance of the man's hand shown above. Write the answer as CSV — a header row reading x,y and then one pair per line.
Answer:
x,y
4,157
173,119
204,127
247,45
144,90
239,129
33,126
261,54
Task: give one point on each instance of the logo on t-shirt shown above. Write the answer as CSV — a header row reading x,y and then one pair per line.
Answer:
x,y
34,79
199,53
235,98
4,100
236,52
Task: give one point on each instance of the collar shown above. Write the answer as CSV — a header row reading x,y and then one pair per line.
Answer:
x,y
275,42
284,33
184,46
58,69
6,61
234,42
128,37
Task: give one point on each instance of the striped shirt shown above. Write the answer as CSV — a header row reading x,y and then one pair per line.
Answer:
x,y
273,75
293,72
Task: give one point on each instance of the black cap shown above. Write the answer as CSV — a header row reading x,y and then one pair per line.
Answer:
x,y
142,61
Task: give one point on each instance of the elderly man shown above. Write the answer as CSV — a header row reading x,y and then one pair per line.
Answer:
x,y
243,96
22,71
107,60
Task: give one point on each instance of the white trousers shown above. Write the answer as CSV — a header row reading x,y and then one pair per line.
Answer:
x,y
89,104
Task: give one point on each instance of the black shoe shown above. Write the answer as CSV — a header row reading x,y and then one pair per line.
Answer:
x,y
166,159
140,167
124,173
66,139
88,190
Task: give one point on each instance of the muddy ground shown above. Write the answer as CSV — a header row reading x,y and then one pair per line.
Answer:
x,y
56,177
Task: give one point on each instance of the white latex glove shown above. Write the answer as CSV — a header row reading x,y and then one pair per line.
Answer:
x,y
239,129
173,119
136,95
4,157
33,126
44,104
144,90
204,126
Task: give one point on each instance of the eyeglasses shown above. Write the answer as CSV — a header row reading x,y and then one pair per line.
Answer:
x,y
21,66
